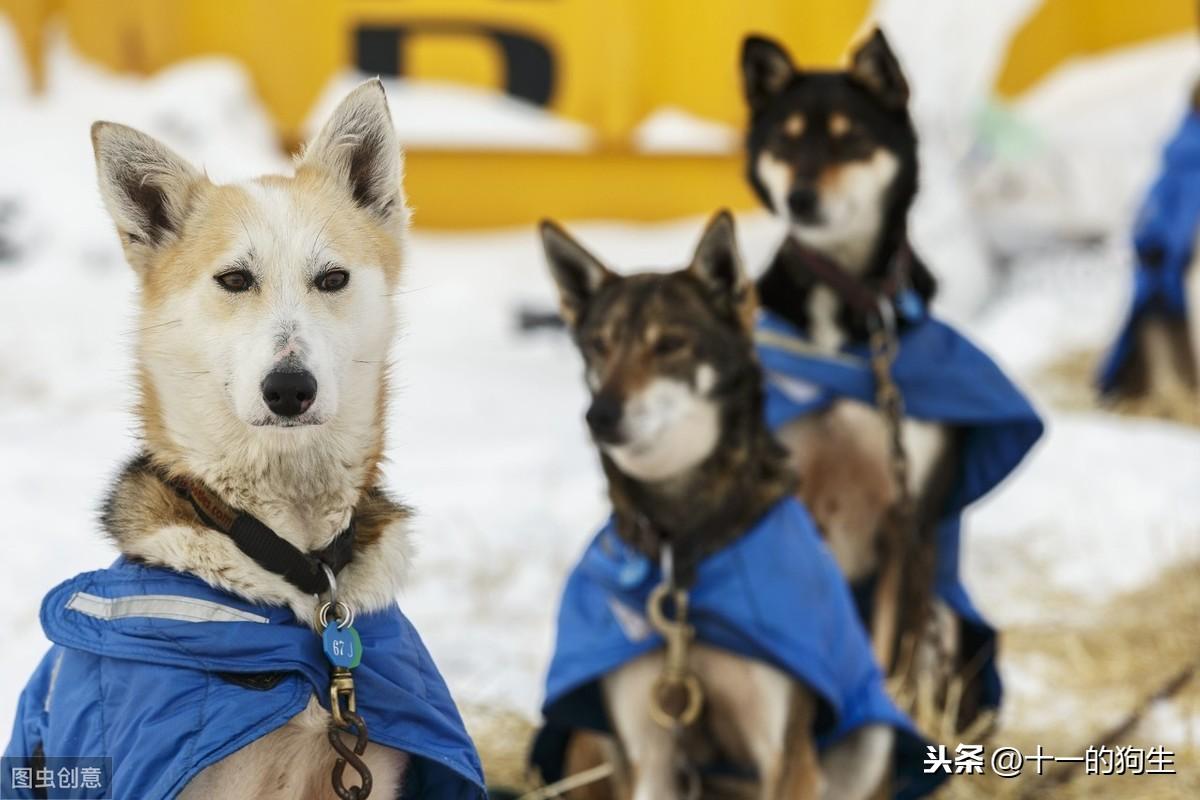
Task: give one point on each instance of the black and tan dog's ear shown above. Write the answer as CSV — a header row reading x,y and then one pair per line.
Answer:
x,y
578,273
717,264
359,147
147,188
766,69
875,66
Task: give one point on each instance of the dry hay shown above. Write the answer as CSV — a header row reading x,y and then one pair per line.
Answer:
x,y
1106,673
1069,384
503,738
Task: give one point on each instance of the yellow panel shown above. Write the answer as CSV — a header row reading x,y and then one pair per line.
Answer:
x,y
457,58
1062,29
520,188
613,61
28,19
290,49
689,54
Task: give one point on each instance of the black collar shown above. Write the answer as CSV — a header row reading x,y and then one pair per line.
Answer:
x,y
268,549
858,294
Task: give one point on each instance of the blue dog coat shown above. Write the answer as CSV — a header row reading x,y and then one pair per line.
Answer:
x,y
774,595
943,378
140,672
1163,239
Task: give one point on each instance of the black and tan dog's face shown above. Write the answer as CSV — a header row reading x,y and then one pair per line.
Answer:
x,y
663,351
830,152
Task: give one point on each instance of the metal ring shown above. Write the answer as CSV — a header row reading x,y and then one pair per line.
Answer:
x,y
344,619
332,579
691,708
666,557
887,316
655,613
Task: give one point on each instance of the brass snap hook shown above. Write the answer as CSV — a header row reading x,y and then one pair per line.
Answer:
x,y
677,698
341,688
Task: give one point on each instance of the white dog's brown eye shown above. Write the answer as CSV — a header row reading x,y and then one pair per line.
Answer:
x,y
332,280
235,280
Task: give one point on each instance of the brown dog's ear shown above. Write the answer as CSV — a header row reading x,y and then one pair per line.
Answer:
x,y
718,266
875,66
766,69
359,148
578,273
147,188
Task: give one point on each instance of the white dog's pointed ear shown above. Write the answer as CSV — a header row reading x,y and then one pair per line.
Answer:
x,y
578,273
147,188
359,148
876,67
717,265
766,69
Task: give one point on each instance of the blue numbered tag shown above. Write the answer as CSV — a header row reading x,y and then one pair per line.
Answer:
x,y
342,646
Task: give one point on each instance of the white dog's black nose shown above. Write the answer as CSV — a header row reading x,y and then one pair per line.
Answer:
x,y
289,394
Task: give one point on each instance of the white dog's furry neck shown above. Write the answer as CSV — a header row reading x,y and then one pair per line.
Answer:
x,y
303,483
153,525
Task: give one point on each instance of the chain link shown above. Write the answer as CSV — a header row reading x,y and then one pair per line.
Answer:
x,y
347,719
899,524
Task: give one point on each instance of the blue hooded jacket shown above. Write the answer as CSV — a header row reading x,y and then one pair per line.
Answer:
x,y
774,595
1163,239
140,672
943,378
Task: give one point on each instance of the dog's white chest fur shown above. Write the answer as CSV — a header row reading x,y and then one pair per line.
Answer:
x,y
294,763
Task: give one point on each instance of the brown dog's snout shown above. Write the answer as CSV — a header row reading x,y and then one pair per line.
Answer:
x,y
604,416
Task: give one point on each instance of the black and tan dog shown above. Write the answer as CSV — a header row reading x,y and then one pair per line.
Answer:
x,y
834,154
676,413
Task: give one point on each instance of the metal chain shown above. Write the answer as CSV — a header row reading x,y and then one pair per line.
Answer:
x,y
356,726
677,697
343,708
898,527
885,345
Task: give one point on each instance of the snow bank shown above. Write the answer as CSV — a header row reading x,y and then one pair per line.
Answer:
x,y
1103,507
436,115
673,130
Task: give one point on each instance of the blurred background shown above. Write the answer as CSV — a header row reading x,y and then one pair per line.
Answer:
x,y
1041,125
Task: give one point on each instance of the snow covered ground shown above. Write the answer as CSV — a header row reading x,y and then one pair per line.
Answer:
x,y
487,439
